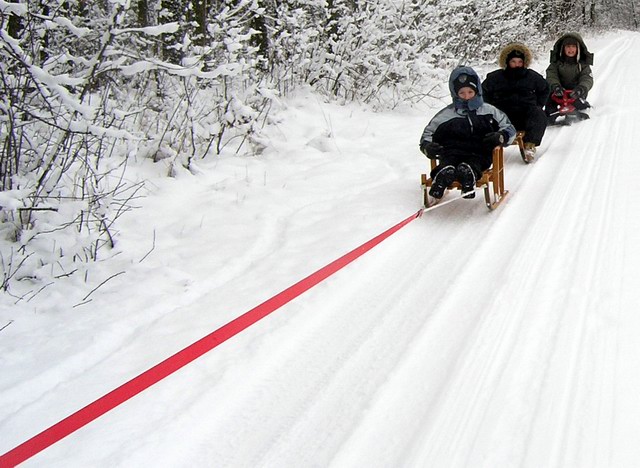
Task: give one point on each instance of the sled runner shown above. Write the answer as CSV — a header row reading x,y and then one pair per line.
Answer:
x,y
492,180
566,112
520,142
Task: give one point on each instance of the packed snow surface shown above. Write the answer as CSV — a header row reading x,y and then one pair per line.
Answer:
x,y
469,338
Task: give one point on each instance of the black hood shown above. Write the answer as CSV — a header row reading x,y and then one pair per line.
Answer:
x,y
584,56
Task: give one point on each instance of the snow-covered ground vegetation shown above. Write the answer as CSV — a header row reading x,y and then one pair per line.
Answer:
x,y
89,90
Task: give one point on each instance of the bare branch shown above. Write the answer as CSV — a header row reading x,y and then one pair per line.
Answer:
x,y
5,326
102,284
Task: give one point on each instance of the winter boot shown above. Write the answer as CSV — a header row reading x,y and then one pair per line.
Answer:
x,y
582,115
529,152
441,181
467,179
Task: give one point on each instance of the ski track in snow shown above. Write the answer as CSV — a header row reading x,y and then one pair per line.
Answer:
x,y
468,339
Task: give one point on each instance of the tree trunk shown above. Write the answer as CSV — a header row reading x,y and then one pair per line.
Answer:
x,y
142,13
172,42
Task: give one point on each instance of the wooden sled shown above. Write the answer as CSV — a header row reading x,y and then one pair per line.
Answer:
x,y
492,181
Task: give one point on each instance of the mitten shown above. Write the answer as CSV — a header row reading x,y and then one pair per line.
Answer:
x,y
431,149
493,139
557,91
578,92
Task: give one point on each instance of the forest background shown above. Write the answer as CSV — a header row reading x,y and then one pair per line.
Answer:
x,y
90,89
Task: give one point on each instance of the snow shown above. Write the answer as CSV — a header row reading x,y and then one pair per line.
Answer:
x,y
468,338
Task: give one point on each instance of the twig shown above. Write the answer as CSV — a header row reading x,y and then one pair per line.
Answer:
x,y
31,208
5,284
9,323
153,247
101,284
63,275
39,291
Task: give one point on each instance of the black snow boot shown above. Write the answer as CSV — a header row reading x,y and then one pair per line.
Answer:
x,y
582,115
467,179
441,181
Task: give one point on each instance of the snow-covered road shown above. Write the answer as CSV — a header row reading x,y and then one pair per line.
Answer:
x,y
468,339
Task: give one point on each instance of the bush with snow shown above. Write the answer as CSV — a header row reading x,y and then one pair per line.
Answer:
x,y
85,88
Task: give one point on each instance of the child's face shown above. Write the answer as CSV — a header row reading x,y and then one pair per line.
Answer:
x,y
571,50
516,62
466,93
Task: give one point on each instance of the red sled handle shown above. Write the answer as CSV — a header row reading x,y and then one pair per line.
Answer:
x,y
565,103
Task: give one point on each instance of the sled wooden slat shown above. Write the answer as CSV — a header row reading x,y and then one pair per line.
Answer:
x,y
519,140
492,180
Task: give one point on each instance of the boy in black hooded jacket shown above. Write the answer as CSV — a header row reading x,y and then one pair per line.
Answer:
x,y
521,93
462,136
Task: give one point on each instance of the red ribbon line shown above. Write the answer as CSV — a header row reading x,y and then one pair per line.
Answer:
x,y
170,365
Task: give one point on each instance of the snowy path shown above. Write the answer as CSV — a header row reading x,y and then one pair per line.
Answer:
x,y
469,339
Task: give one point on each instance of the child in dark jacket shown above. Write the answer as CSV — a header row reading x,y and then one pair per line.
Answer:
x,y
570,69
521,93
463,134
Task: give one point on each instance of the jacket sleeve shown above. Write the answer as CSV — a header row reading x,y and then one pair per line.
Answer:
x,y
585,79
553,77
504,125
432,126
487,90
542,91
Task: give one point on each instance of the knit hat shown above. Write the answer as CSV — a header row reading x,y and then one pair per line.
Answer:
x,y
465,81
515,53
570,41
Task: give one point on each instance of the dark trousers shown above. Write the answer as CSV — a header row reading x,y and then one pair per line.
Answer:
x,y
532,120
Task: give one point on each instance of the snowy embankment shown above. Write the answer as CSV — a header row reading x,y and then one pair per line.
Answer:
x,y
469,338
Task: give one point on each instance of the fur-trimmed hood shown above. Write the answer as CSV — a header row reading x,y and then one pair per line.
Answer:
x,y
584,56
528,56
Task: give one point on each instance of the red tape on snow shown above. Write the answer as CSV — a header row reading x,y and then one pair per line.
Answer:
x,y
167,367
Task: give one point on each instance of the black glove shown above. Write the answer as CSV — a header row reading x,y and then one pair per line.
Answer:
x,y
431,149
557,91
494,139
578,92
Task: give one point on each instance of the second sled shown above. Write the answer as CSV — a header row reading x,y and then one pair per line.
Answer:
x,y
566,112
